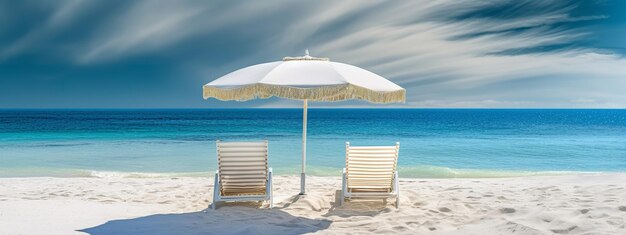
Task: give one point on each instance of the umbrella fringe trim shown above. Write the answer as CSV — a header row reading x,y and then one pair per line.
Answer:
x,y
325,93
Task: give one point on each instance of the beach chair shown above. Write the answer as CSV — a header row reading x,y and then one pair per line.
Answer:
x,y
243,173
371,173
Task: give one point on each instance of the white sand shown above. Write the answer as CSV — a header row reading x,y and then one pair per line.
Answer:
x,y
573,204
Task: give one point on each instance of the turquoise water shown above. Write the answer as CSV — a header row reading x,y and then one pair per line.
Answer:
x,y
434,142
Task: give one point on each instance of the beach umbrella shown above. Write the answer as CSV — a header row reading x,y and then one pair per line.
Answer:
x,y
304,78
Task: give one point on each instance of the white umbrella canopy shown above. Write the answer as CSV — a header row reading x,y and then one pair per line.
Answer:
x,y
304,78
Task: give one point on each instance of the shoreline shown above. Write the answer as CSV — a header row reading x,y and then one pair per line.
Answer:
x,y
575,204
418,172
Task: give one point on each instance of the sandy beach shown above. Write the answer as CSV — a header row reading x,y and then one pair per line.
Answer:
x,y
468,117
568,204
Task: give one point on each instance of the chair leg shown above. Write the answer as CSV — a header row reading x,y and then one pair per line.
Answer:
x,y
341,199
213,205
344,187
216,190
271,198
396,188
269,190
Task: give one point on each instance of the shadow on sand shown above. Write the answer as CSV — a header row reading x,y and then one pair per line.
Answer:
x,y
357,207
236,218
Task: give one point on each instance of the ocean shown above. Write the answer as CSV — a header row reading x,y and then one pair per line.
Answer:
x,y
434,143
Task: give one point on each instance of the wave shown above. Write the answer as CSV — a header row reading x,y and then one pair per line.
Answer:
x,y
427,171
117,174
422,171
52,172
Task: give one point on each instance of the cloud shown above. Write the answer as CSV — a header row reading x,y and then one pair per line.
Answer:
x,y
148,26
61,15
437,60
497,53
143,26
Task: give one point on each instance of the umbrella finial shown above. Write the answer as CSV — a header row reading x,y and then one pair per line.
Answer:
x,y
305,57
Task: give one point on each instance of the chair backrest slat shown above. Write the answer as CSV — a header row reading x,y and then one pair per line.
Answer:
x,y
371,167
242,166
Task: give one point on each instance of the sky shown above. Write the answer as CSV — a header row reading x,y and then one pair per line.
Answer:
x,y
446,53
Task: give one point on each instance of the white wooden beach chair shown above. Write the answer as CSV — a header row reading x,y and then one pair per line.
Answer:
x,y
243,173
371,173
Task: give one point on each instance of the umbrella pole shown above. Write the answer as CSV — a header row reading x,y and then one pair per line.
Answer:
x,y
303,174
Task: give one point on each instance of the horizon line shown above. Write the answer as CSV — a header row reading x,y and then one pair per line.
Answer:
x,y
411,108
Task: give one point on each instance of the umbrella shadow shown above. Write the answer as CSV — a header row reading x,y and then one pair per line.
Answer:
x,y
239,219
293,199
356,207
